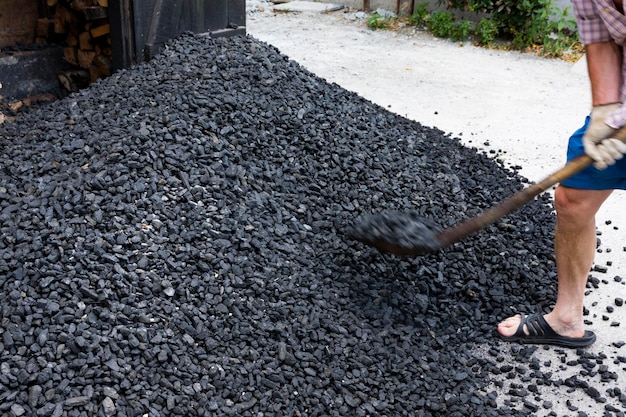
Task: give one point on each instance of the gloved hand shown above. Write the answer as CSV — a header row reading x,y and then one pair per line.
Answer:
x,y
597,139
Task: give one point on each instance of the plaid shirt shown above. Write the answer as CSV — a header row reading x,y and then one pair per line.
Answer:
x,y
600,21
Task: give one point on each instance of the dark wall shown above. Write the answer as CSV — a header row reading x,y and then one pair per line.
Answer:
x,y
146,25
18,21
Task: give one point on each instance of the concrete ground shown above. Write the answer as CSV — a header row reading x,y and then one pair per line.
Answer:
x,y
518,107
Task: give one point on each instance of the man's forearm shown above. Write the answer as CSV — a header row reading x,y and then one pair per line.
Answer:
x,y
604,64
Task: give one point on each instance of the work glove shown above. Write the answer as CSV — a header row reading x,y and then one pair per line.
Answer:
x,y
597,140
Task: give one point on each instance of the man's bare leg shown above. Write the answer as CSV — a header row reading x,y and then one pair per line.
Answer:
x,y
575,246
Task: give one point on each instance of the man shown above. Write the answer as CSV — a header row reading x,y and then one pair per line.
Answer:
x,y
602,29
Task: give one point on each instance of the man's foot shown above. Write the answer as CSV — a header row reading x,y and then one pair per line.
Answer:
x,y
534,329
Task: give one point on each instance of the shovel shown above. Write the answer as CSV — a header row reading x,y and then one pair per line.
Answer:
x,y
408,234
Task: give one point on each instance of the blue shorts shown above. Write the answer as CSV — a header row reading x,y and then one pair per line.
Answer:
x,y
611,178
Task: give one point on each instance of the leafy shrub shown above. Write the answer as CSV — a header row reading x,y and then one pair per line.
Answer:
x,y
461,31
444,25
441,24
523,20
486,31
377,21
526,23
537,25
562,37
420,15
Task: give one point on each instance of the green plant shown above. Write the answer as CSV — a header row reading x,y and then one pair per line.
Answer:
x,y
486,31
420,15
461,31
441,24
564,23
534,24
524,20
377,21
558,45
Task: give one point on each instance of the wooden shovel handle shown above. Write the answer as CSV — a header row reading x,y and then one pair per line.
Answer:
x,y
517,200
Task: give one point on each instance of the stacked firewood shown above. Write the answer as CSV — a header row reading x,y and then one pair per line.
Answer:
x,y
82,27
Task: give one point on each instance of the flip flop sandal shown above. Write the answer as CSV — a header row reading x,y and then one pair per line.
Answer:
x,y
534,329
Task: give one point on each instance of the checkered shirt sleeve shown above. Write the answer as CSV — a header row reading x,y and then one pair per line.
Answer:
x,y
591,26
599,21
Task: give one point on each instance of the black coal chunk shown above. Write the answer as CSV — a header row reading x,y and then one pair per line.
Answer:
x,y
172,244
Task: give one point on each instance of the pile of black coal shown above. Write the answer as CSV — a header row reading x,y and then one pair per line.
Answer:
x,y
172,243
